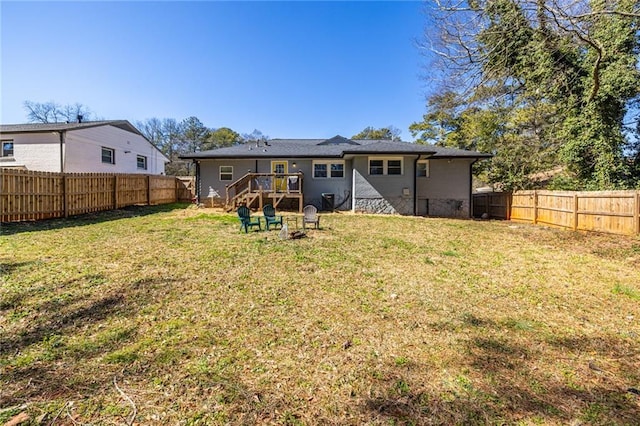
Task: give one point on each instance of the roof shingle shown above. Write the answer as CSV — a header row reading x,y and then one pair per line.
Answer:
x,y
336,147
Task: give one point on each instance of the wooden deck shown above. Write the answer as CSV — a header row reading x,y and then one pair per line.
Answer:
x,y
254,190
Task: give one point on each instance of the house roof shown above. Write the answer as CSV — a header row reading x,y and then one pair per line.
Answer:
x,y
55,127
336,147
59,127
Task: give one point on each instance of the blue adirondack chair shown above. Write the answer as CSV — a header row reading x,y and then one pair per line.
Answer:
x,y
270,216
246,221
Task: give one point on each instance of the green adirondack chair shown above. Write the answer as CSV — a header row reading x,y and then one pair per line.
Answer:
x,y
246,221
270,216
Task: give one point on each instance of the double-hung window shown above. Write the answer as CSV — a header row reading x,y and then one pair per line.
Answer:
x,y
327,169
422,168
7,149
142,162
337,170
226,172
108,155
385,166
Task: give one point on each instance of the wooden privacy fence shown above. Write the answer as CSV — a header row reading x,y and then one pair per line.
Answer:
x,y
28,195
616,212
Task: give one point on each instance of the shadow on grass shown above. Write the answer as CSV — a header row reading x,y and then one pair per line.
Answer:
x,y
44,373
88,219
94,312
10,267
503,382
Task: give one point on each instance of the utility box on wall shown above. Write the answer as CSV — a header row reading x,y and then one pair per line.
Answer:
x,y
328,201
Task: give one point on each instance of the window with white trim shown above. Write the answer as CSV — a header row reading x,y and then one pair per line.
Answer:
x,y
337,170
386,166
7,149
226,172
108,155
422,168
141,160
328,169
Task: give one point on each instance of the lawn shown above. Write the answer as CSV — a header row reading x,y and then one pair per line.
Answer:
x,y
170,315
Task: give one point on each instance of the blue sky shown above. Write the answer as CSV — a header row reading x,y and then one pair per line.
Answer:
x,y
289,69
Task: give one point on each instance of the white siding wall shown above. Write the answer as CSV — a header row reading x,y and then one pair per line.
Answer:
x,y
35,151
84,151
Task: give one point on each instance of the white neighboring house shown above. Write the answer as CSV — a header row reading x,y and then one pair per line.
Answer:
x,y
113,146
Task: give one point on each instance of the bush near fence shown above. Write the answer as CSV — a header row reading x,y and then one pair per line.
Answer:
x,y
30,195
615,212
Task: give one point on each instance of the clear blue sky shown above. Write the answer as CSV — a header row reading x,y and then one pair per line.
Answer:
x,y
289,69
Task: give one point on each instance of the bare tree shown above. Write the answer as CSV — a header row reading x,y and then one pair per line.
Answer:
x,y
52,112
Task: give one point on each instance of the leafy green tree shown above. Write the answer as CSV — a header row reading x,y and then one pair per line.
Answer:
x,y
194,134
222,137
386,133
537,83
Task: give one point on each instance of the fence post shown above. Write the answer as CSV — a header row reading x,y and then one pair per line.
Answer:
x,y
508,203
575,211
535,206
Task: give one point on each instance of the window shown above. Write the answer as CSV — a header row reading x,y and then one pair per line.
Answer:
x,y
422,168
376,167
7,148
328,169
108,155
320,170
394,167
226,172
142,162
385,166
337,170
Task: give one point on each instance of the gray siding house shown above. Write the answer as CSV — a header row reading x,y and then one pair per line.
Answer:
x,y
373,176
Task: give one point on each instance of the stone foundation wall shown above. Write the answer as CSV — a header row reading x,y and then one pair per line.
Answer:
x,y
448,208
399,205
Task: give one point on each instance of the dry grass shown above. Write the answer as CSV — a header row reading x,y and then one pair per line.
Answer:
x,y
172,316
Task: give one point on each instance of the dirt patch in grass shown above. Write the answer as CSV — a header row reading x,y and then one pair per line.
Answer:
x,y
173,316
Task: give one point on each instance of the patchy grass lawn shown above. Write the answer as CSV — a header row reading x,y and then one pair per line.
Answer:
x,y
170,315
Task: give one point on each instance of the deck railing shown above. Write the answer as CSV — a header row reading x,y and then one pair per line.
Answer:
x,y
252,184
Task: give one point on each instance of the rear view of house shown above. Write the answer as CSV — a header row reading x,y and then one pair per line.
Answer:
x,y
113,146
375,176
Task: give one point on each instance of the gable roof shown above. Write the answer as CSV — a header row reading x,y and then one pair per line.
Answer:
x,y
336,147
56,127
64,127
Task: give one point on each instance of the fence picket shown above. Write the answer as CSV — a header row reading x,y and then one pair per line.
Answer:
x,y
616,212
30,195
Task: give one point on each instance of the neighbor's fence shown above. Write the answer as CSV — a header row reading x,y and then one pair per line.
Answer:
x,y
28,195
616,212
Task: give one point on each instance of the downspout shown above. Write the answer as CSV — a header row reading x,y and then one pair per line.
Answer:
x,y
471,188
415,185
198,181
61,133
353,187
